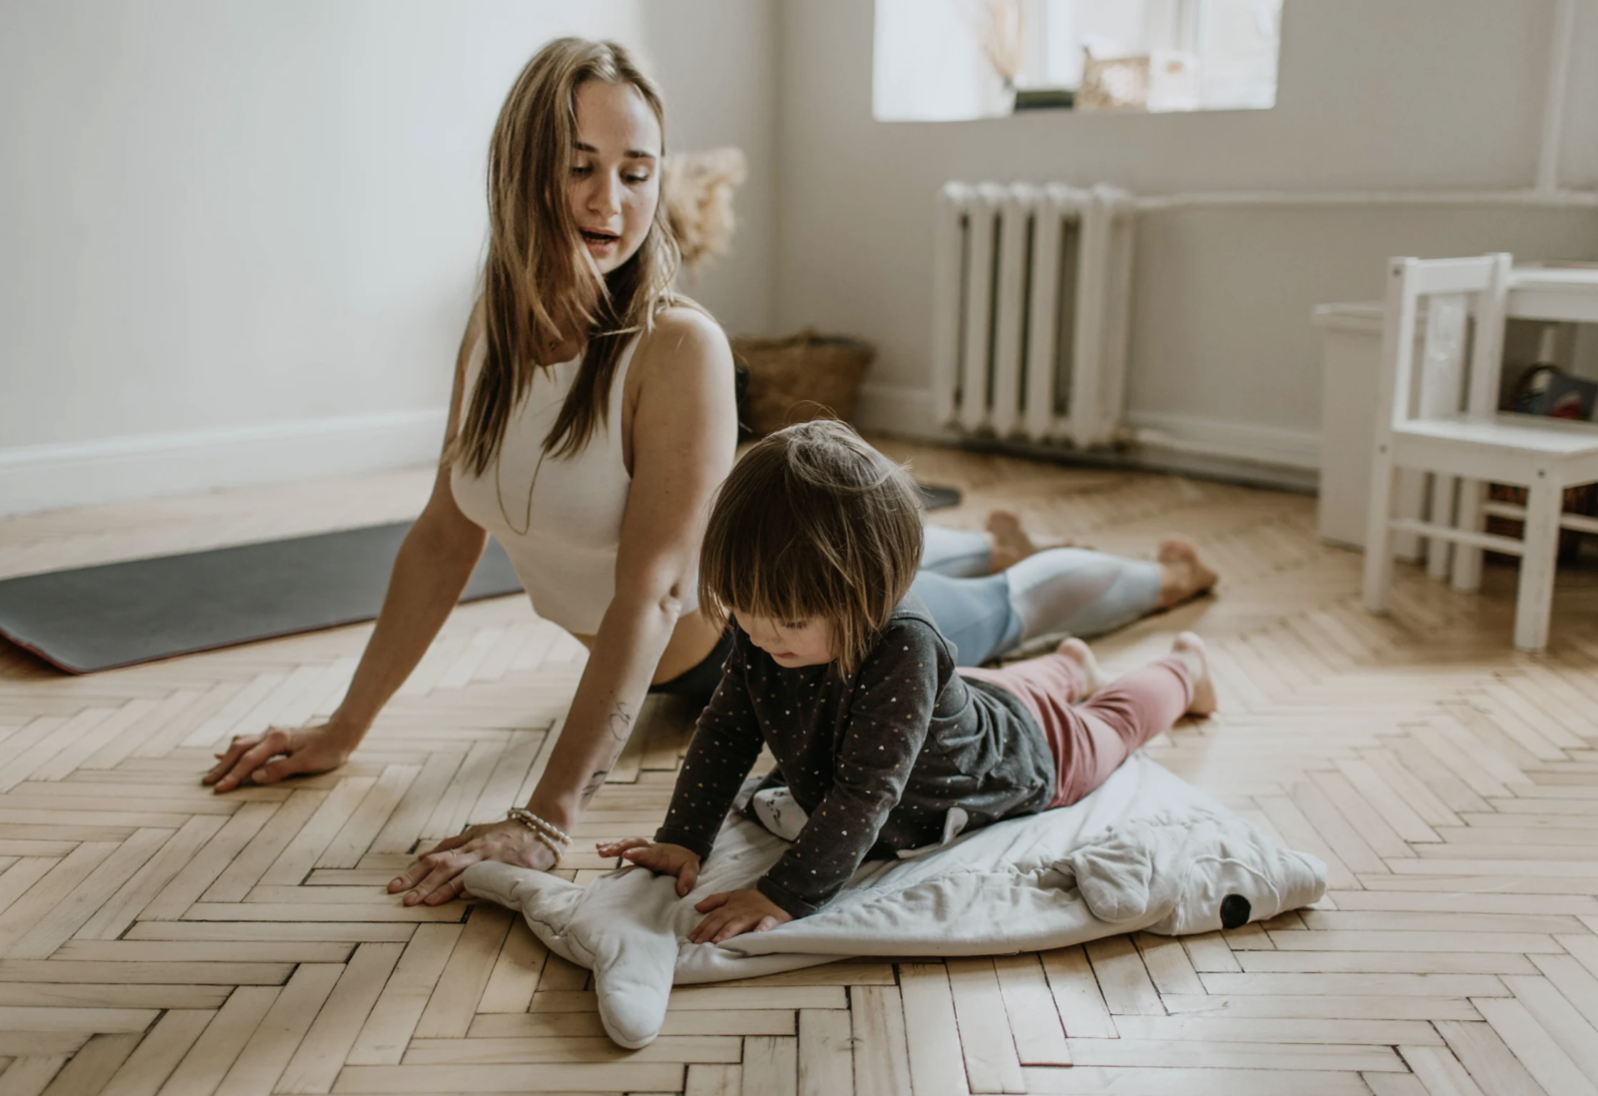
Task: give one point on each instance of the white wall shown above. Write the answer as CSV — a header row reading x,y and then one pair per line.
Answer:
x,y
716,62
238,241
1374,95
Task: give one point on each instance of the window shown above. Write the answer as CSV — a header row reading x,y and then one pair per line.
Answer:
x,y
950,60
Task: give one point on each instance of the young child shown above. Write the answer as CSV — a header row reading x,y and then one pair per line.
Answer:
x,y
840,671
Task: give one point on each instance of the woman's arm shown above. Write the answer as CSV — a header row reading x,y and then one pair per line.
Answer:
x,y
435,562
684,431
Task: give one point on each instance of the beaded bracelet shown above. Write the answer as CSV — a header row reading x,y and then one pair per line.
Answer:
x,y
540,836
546,833
543,838
533,822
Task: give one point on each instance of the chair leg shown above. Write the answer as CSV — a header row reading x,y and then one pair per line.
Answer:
x,y
1379,533
1440,511
1534,599
1409,501
1467,557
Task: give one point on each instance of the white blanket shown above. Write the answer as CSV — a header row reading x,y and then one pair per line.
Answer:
x,y
1146,851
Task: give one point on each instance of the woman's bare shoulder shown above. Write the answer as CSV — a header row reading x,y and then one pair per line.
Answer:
x,y
685,337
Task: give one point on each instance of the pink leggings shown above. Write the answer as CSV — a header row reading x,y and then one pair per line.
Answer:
x,y
1091,739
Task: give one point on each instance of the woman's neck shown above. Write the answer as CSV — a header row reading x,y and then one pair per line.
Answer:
x,y
562,351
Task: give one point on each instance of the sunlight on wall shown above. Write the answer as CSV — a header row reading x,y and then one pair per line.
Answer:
x,y
955,60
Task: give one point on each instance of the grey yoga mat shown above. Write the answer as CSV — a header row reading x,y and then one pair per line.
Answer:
x,y
119,614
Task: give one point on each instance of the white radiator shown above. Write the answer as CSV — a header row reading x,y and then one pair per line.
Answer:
x,y
1032,288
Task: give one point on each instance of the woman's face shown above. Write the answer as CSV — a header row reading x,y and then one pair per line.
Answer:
x,y
615,173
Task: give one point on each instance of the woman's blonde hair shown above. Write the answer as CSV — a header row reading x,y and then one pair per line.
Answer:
x,y
539,286
814,523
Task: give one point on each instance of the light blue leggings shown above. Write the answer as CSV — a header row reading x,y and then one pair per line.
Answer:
x,y
1071,590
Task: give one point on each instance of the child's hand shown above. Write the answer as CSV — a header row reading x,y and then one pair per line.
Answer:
x,y
657,857
737,912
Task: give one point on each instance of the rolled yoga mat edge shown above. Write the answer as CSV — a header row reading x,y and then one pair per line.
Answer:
x,y
121,614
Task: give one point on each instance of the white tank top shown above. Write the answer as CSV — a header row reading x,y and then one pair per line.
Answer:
x,y
560,520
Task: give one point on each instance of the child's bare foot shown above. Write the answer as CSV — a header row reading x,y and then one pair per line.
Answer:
x,y
1190,649
1009,543
1182,574
1093,678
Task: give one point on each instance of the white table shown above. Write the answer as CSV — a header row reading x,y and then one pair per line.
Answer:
x,y
1352,347
1554,293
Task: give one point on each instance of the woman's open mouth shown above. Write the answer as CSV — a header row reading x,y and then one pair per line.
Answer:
x,y
597,239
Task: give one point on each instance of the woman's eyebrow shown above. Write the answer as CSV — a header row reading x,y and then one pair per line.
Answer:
x,y
632,153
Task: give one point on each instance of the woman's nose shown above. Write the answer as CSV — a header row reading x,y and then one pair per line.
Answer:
x,y
604,197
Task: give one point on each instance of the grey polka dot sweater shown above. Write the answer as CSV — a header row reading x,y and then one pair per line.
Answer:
x,y
876,760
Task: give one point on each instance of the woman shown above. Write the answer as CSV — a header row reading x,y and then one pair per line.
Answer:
x,y
591,421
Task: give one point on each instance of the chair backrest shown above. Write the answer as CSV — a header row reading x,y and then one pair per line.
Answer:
x,y
1455,290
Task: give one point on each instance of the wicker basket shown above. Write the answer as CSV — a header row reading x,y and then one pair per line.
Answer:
x,y
801,377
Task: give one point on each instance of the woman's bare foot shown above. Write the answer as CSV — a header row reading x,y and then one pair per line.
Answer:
x,y
1009,543
1182,574
1093,677
1190,649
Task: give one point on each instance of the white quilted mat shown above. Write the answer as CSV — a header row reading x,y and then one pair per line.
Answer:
x,y
1146,851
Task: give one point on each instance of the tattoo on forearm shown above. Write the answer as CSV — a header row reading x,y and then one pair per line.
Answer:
x,y
620,723
595,782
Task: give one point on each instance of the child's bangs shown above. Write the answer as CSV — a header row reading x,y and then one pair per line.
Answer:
x,y
784,580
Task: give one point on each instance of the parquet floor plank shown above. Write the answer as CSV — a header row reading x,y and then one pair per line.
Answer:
x,y
931,1031
516,971
881,1054
1077,995
263,1058
771,1065
383,1038
158,940
826,1063
159,1053
991,1061
92,1068
1030,1010
327,1043
713,1080
1487,1061
455,997
1538,1051
31,1075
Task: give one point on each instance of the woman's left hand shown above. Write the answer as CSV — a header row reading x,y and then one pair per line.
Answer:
x,y
733,913
435,876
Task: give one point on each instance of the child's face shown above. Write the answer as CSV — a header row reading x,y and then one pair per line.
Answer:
x,y
790,643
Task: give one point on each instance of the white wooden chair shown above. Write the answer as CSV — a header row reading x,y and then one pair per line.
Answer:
x,y
1443,418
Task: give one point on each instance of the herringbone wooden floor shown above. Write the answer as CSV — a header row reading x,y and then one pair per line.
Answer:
x,y
156,939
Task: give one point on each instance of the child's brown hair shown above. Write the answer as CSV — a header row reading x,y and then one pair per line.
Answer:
x,y
814,523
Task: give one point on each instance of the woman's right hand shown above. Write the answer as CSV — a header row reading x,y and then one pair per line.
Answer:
x,y
658,857
280,752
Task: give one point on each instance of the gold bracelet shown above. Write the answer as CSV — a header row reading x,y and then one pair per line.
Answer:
x,y
538,825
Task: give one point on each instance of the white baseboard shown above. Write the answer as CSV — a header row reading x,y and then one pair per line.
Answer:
x,y
898,410
1247,452
51,477
1250,442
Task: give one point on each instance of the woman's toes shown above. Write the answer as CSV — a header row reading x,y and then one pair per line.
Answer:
x,y
1177,550
1009,543
1005,523
1182,574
